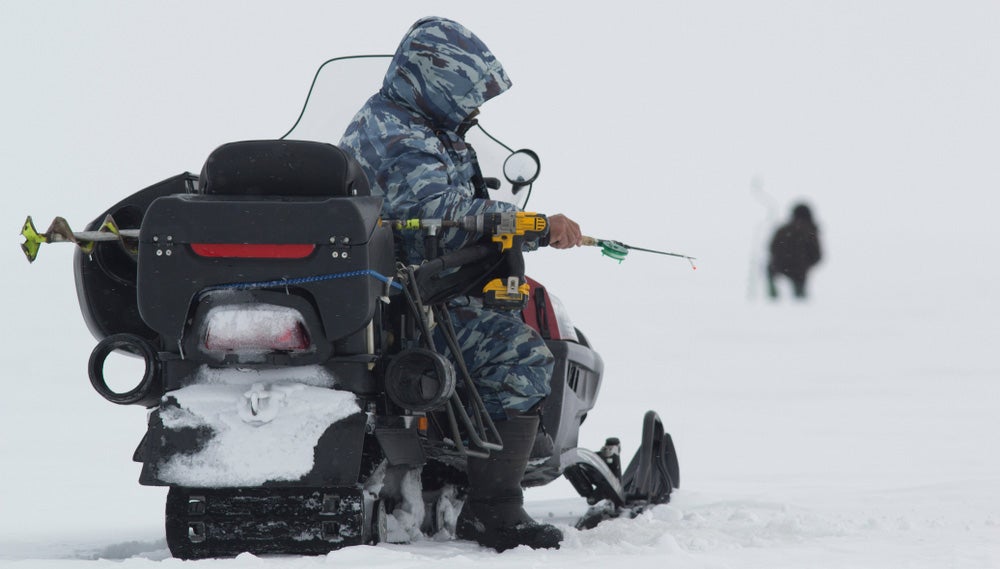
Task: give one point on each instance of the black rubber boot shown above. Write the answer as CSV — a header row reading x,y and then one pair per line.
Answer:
x,y
493,514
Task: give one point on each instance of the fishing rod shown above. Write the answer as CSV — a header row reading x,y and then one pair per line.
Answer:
x,y
618,251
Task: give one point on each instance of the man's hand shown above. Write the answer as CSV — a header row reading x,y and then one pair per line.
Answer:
x,y
563,232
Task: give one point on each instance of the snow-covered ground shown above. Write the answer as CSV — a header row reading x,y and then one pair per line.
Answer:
x,y
858,429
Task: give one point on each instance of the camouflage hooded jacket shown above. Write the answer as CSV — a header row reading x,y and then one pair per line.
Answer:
x,y
407,136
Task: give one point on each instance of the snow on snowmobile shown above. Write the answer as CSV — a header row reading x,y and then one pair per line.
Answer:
x,y
298,401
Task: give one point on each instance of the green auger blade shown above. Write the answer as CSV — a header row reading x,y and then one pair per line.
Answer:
x,y
60,232
32,240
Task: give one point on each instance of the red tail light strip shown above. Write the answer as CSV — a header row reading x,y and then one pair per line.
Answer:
x,y
253,250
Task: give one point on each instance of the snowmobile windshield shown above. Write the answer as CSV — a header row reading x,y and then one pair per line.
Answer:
x,y
444,71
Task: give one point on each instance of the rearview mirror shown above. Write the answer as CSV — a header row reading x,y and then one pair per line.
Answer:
x,y
521,169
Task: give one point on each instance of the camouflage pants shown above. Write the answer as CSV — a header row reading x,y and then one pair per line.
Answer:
x,y
507,360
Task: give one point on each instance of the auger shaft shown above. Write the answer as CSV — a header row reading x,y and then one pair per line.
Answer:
x,y
59,231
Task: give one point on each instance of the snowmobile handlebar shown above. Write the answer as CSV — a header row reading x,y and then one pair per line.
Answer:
x,y
506,287
458,259
457,273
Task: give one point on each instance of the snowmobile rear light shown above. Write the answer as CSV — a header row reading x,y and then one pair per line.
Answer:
x,y
253,250
255,329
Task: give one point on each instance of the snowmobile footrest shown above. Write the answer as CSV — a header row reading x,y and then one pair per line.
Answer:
x,y
591,477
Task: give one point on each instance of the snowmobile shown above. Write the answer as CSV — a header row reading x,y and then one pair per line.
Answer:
x,y
300,395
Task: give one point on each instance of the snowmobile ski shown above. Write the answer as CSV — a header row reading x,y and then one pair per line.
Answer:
x,y
648,480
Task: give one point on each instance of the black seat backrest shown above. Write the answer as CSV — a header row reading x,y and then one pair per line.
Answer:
x,y
282,168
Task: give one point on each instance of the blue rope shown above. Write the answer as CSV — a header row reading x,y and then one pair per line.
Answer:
x,y
312,279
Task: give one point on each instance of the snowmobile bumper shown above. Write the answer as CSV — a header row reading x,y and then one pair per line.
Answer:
x,y
336,457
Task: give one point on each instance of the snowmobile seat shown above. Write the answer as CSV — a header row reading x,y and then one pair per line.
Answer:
x,y
299,168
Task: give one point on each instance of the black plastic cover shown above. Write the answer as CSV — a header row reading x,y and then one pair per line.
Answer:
x,y
344,230
106,278
401,446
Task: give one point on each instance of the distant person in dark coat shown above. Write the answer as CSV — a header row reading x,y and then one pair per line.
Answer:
x,y
794,250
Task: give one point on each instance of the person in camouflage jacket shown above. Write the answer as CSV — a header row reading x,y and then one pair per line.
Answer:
x,y
410,140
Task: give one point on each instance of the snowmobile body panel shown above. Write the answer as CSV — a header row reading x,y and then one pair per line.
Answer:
x,y
184,447
342,232
576,382
106,278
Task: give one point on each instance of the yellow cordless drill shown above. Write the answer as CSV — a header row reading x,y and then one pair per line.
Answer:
x,y
511,230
